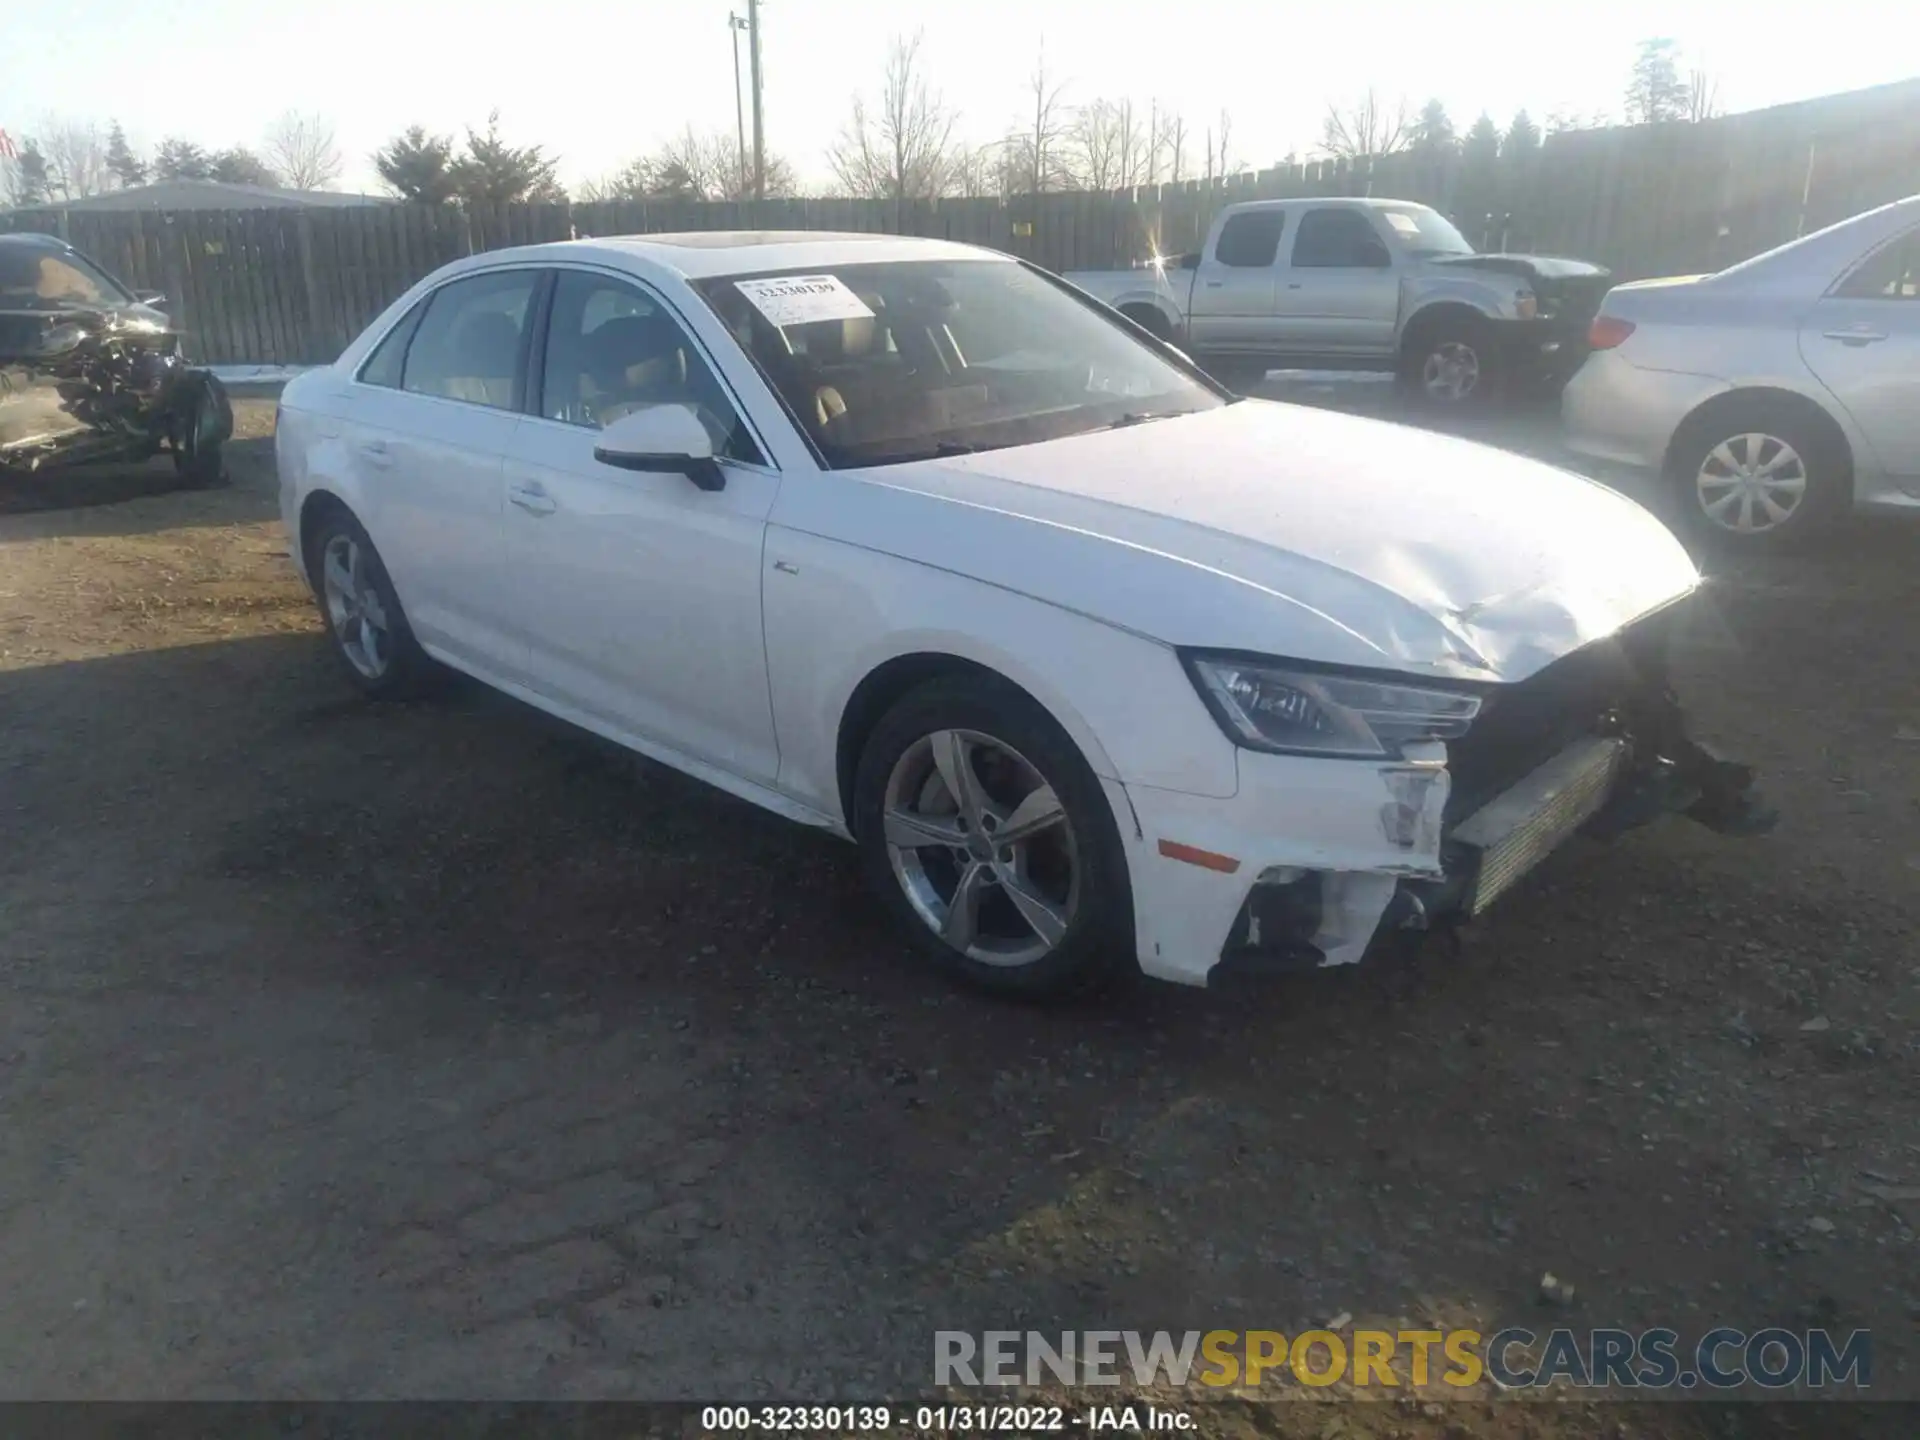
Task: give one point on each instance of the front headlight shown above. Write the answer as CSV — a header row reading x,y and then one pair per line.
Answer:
x,y
1269,706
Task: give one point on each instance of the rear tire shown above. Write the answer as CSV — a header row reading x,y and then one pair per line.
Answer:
x,y
1756,477
369,631
1019,887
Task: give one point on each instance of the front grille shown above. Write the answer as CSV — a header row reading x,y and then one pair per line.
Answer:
x,y
1522,726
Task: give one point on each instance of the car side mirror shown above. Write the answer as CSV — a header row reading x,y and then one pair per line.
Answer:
x,y
1190,260
662,440
1378,257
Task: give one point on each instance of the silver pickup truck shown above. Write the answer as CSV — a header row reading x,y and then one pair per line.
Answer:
x,y
1355,284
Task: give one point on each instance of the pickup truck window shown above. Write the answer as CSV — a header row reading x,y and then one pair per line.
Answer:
x,y
1251,239
943,357
1338,239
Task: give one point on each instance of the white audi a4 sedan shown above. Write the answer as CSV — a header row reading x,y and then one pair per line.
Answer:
x,y
915,543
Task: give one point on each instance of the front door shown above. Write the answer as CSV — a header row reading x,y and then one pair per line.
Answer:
x,y
1863,341
1339,295
1230,310
638,594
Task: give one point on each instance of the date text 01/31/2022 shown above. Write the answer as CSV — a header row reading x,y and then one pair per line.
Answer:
x,y
941,1419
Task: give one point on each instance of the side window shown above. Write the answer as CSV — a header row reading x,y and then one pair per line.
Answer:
x,y
613,349
1892,273
467,345
390,355
1338,240
1251,239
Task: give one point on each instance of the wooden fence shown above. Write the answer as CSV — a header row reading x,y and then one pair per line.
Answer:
x,y
286,286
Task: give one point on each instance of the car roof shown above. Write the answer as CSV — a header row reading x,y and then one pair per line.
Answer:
x,y
699,255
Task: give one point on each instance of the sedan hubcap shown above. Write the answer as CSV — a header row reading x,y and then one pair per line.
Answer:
x,y
355,608
981,847
1751,483
1451,372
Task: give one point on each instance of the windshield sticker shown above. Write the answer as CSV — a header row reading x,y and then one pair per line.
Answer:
x,y
1404,223
803,299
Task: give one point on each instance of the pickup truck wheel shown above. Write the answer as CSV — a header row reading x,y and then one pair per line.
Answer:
x,y
988,836
1450,365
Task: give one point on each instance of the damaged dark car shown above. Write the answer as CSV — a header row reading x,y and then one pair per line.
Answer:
x,y
90,371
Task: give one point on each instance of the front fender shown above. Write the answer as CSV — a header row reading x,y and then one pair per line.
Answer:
x,y
1124,700
1493,302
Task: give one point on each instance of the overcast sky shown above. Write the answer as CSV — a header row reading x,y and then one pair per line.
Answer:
x,y
599,81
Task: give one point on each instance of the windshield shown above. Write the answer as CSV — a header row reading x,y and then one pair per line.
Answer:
x,y
881,364
33,278
1425,232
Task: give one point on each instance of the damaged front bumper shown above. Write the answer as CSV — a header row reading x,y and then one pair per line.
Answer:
x,y
1314,860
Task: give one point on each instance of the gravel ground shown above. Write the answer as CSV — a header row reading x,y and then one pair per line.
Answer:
x,y
439,1051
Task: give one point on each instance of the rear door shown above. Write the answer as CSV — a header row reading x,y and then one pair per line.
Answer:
x,y
429,421
1231,309
1340,292
1863,340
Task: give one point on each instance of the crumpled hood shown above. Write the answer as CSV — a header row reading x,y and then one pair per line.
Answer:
x,y
1287,530
1540,267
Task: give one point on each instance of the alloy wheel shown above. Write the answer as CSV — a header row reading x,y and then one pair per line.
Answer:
x,y
981,847
1751,483
1451,371
355,608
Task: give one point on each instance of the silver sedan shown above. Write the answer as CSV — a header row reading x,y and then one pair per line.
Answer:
x,y
1769,398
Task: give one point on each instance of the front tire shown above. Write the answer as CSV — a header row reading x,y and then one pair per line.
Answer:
x,y
987,834
200,433
369,630
1451,365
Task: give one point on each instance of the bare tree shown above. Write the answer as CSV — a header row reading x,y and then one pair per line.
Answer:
x,y
1040,157
1109,148
1703,95
302,150
1170,149
1368,127
979,169
901,149
76,154
1218,155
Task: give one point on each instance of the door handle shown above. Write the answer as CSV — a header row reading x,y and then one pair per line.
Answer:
x,y
531,498
1855,337
375,453
1293,285
1215,284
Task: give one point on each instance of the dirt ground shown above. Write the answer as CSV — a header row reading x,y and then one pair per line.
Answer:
x,y
439,1051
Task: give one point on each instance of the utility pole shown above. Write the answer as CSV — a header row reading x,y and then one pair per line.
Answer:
x,y
736,24
759,123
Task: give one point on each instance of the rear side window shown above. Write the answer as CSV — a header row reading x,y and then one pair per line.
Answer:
x,y
1251,239
1892,273
470,341
1338,240
384,365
